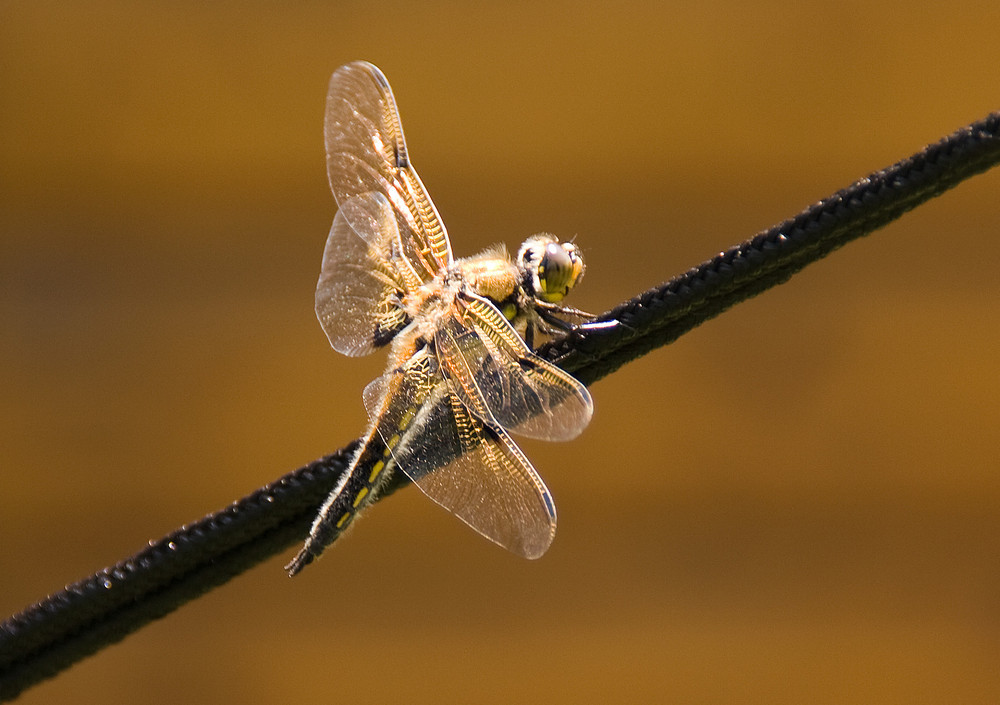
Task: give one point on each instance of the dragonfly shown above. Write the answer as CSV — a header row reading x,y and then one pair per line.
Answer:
x,y
461,376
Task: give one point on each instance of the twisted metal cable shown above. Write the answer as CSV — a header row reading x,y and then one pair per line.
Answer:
x,y
103,608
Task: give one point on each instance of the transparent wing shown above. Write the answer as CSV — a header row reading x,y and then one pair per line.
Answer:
x,y
474,471
359,288
503,383
366,152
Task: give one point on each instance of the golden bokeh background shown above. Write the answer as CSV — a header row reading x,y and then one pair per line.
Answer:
x,y
797,502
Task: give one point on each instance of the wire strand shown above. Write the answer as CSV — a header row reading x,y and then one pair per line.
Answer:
x,y
103,608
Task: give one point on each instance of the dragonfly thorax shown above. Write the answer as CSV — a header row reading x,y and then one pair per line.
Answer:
x,y
433,302
490,274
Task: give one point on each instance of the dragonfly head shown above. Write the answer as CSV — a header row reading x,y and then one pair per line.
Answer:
x,y
549,268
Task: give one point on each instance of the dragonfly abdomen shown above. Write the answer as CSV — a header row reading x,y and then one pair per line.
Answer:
x,y
369,471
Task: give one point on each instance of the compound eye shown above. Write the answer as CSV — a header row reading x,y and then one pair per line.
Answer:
x,y
558,271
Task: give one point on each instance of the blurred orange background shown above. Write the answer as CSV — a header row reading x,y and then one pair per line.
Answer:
x,y
797,502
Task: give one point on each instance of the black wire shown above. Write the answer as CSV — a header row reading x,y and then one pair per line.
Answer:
x,y
100,610
664,313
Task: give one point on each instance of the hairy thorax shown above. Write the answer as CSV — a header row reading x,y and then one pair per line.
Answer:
x,y
489,274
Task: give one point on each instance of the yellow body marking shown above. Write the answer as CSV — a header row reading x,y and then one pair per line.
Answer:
x,y
343,520
407,417
376,469
361,496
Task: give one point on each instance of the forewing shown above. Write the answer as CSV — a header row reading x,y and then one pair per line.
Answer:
x,y
357,296
366,152
503,383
